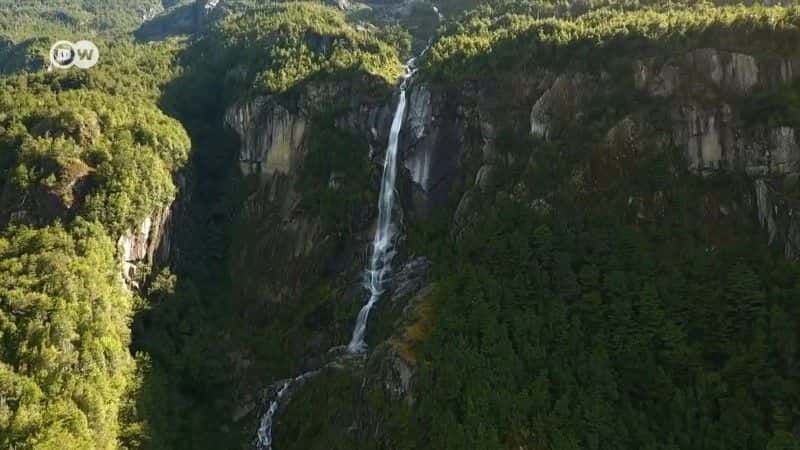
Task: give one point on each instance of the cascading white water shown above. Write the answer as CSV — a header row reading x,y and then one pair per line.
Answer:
x,y
380,265
382,253
380,262
438,13
265,427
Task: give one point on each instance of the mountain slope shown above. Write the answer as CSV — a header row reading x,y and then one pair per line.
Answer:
x,y
597,215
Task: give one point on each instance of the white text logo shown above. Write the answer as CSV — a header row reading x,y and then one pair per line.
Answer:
x,y
81,54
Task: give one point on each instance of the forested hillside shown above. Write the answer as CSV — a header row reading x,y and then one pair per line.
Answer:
x,y
83,156
45,18
594,240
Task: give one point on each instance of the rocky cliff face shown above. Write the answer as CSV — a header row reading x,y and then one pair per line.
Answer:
x,y
273,130
432,146
439,130
185,19
450,150
702,88
272,137
144,249
274,134
450,153
701,91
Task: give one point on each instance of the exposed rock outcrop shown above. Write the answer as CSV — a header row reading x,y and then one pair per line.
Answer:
x,y
559,106
701,92
433,145
272,138
779,215
275,133
145,248
702,88
419,158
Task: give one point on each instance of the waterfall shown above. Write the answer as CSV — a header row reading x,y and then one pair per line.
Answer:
x,y
438,13
264,441
379,266
380,263
265,427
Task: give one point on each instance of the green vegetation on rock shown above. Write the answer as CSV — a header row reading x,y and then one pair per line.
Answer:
x,y
487,44
109,158
281,45
558,314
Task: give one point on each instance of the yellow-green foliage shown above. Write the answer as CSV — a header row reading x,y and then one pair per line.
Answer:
x,y
484,43
140,70
83,155
126,146
284,44
65,19
418,330
64,358
124,68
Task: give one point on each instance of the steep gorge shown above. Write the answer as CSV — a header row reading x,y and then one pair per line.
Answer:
x,y
586,234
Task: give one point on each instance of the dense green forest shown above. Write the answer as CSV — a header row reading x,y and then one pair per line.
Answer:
x,y
22,19
65,336
579,327
581,331
498,42
586,332
83,156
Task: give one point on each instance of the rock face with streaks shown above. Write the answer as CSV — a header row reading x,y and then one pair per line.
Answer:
x,y
700,95
145,246
703,88
558,107
451,152
271,137
274,134
148,247
432,147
